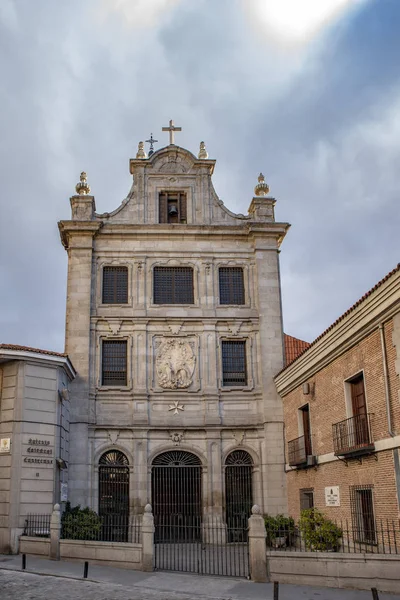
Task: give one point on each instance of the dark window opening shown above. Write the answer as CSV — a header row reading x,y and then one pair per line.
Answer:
x,y
234,363
173,285
306,498
172,207
362,513
305,415
231,285
114,362
115,285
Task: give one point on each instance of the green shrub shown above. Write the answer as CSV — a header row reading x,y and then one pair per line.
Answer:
x,y
318,532
80,523
279,526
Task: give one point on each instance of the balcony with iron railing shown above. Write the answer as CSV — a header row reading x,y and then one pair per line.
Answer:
x,y
297,452
353,437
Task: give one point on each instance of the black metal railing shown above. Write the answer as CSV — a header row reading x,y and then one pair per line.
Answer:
x,y
297,451
105,528
353,436
343,536
208,547
37,525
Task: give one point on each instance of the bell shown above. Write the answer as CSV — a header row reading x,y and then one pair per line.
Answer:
x,y
172,209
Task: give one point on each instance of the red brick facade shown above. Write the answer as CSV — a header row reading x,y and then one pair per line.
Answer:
x,y
318,378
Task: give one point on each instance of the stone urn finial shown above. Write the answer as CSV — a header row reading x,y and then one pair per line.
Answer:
x,y
256,510
141,152
147,508
203,152
262,188
83,188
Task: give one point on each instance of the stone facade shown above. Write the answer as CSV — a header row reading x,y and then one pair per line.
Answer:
x,y
179,401
364,343
34,436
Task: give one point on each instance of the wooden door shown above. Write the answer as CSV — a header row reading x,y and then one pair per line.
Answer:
x,y
306,430
360,421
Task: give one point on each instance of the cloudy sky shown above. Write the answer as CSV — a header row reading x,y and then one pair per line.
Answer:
x,y
307,91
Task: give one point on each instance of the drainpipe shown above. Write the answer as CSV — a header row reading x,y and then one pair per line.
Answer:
x,y
386,379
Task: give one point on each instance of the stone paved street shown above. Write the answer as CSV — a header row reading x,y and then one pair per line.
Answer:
x,y
62,580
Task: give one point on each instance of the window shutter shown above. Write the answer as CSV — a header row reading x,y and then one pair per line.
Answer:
x,y
182,208
163,208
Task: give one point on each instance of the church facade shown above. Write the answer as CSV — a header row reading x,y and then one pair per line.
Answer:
x,y
174,326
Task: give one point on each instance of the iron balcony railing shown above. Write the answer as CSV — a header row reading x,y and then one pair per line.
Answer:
x,y
297,451
353,436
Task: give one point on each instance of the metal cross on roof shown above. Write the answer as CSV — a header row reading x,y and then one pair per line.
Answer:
x,y
151,141
171,130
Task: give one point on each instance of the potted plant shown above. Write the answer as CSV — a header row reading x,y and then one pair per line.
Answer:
x,y
319,533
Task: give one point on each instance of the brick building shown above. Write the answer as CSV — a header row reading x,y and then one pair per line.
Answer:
x,y
341,398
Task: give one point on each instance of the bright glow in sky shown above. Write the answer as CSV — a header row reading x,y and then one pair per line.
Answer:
x,y
298,20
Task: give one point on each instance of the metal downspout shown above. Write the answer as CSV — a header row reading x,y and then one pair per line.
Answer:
x,y
386,379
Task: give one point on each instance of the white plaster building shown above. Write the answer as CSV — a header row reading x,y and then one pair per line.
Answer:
x,y
174,326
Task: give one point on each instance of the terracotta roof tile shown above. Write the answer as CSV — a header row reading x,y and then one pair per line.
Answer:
x,y
345,314
294,347
28,349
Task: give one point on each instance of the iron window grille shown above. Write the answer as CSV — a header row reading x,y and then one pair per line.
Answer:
x,y
362,513
231,285
234,372
114,362
115,285
306,498
173,285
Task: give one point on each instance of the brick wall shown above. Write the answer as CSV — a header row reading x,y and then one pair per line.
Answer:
x,y
327,406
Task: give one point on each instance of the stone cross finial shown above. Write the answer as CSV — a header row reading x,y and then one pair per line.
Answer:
x,y
82,188
141,153
262,188
203,152
171,130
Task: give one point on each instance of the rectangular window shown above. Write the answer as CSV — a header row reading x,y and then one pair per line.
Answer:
x,y
115,285
362,513
234,363
114,362
231,285
173,285
172,207
306,498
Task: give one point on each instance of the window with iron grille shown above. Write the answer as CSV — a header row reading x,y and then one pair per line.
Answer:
x,y
362,513
231,285
114,361
115,285
172,207
173,285
234,363
306,498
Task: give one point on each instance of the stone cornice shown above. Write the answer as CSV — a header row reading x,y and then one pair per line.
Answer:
x,y
26,355
77,228
381,305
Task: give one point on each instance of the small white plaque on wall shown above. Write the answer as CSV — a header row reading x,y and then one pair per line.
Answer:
x,y
332,496
64,492
5,445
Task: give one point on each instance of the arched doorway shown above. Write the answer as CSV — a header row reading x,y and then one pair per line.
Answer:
x,y
176,496
114,495
238,494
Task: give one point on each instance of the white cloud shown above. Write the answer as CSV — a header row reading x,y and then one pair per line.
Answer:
x,y
139,13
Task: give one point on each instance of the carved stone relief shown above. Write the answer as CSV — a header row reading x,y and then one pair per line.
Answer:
x,y
175,363
176,437
113,435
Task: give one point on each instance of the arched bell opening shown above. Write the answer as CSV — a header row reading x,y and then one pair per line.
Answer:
x,y
238,494
176,496
114,496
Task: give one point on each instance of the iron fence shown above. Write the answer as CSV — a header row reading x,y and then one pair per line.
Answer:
x,y
37,525
106,528
342,536
208,547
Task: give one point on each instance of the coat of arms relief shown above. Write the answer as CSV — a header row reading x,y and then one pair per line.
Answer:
x,y
175,362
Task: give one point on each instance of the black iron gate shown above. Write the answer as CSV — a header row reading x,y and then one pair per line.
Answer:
x,y
238,494
114,496
184,540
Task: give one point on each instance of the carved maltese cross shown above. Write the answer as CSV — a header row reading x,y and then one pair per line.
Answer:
x,y
176,407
